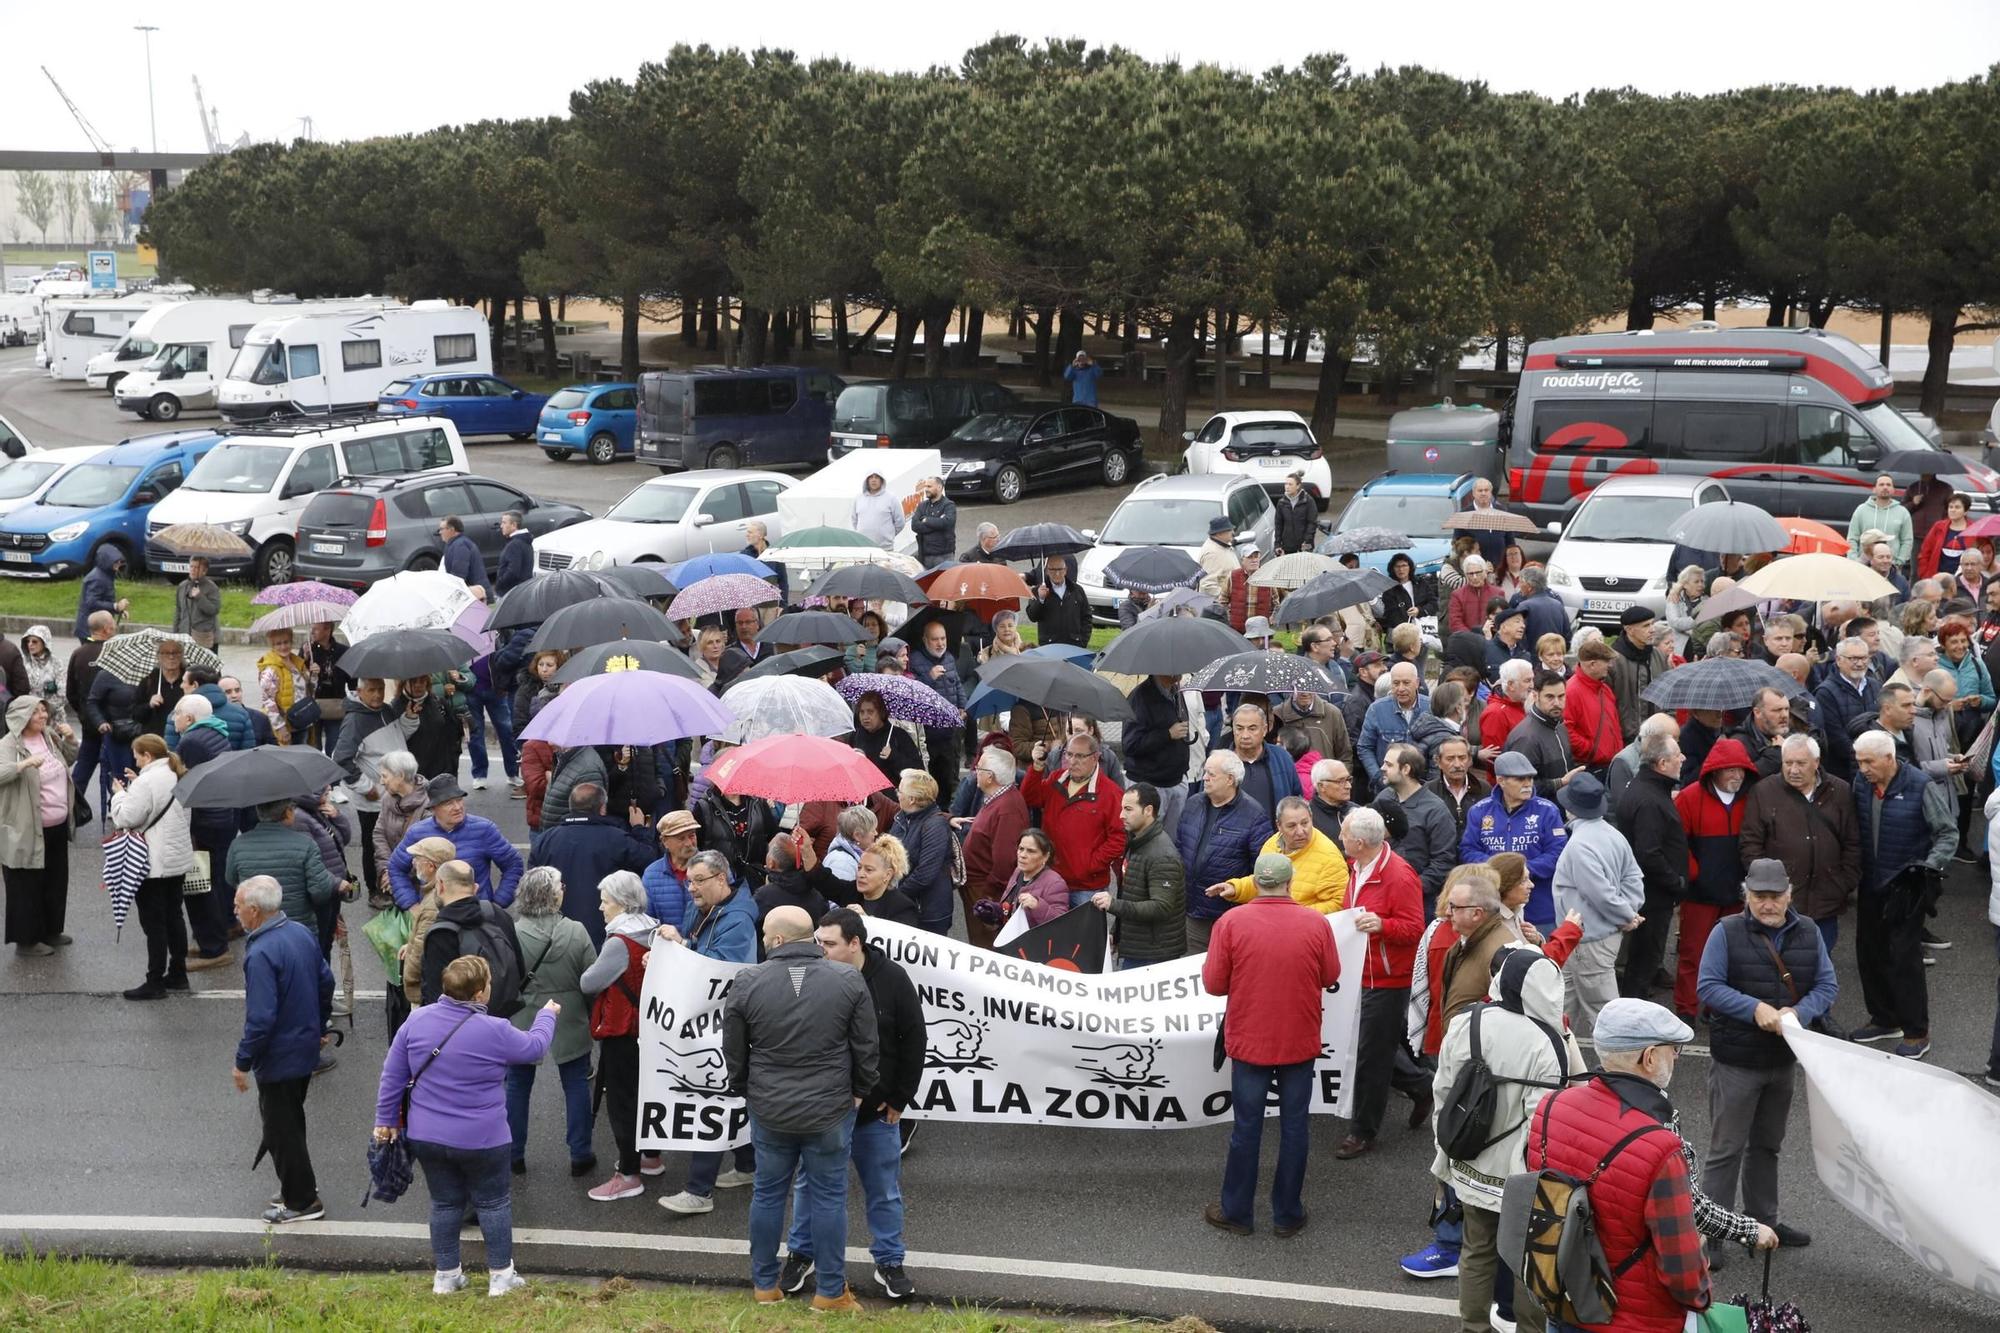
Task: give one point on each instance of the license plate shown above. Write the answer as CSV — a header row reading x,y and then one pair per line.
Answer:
x,y
1273,460
1605,604
19,557
329,548
174,566
552,435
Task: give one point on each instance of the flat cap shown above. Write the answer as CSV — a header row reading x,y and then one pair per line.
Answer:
x,y
1514,764
1633,1025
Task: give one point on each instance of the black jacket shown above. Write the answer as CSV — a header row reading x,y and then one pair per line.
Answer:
x,y
1547,745
436,742
1063,617
78,673
899,1035
1151,755
517,562
441,940
586,848
1298,521
793,888
902,750
1650,822
741,832
1397,600
936,524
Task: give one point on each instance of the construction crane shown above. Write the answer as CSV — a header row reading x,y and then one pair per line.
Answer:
x,y
97,142
211,124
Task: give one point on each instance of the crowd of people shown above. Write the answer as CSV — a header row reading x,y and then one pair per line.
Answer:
x,y
1524,839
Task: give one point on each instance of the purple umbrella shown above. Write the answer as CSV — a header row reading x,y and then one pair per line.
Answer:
x,y
908,699
305,590
629,708
471,627
718,593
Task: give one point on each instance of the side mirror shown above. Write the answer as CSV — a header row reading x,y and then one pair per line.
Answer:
x,y
1555,529
1188,435
145,495
519,394
1090,533
703,520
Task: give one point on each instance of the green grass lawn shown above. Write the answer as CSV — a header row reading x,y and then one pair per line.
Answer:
x,y
50,1292
44,256
152,602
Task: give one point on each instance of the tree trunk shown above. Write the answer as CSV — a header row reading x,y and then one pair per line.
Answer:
x,y
1069,334
628,335
1017,322
906,329
690,320
548,335
1937,364
1267,354
1180,347
1044,326
782,325
1639,311
496,319
1708,304
975,334
520,333
1779,312
711,325
725,332
1129,341
1333,370
867,338
1888,320
1503,348
937,326
756,335
562,307
843,354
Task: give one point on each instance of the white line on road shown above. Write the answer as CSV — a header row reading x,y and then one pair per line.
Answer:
x,y
226,993
1096,1274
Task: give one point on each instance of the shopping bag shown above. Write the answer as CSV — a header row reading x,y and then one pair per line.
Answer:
x,y
389,930
1718,1318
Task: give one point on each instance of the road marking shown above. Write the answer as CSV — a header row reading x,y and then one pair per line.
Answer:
x,y
225,993
1094,1274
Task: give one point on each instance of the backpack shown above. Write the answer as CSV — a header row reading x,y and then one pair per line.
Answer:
x,y
1465,1117
1548,1236
487,939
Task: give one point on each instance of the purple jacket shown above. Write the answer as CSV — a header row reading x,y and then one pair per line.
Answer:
x,y
461,1101
1051,895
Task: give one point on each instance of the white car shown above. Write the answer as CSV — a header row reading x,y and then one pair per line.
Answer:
x,y
1264,446
24,480
13,444
1611,554
1174,511
670,519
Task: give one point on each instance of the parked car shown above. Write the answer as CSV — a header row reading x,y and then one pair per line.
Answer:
x,y
476,404
13,444
1265,446
1174,511
910,414
1614,552
670,519
104,501
359,531
712,417
1414,503
597,419
24,480
1002,454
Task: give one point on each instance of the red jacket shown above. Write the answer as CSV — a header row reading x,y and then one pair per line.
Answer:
x,y
1393,893
990,843
538,760
1440,944
1086,830
1499,716
1590,715
1273,958
1245,601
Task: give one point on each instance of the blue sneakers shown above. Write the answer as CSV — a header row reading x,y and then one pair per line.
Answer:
x,y
1431,1261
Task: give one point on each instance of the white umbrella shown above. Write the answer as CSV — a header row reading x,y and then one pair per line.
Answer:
x,y
1294,570
1818,577
785,706
833,557
413,599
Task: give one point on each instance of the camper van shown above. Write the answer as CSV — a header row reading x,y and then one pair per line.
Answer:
x,y
109,367
193,345
342,357
78,329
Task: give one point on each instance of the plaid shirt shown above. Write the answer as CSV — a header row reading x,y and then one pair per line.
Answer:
x,y
1670,1218
1711,1219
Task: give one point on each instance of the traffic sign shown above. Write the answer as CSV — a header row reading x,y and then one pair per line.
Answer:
x,y
103,270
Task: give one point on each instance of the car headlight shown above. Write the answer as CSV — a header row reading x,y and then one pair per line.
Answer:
x,y
240,528
596,560
1657,585
1559,577
68,532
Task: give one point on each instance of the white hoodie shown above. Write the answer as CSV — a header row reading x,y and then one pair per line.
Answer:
x,y
1993,839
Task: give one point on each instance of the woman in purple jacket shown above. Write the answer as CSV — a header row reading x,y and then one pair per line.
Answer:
x,y
1036,887
458,1115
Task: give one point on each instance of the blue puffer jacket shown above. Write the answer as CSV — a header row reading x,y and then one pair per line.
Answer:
x,y
287,999
478,842
666,893
1241,830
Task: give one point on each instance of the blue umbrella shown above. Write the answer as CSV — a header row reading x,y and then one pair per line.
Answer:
x,y
693,571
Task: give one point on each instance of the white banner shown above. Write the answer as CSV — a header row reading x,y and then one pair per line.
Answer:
x,y
1912,1150
1008,1041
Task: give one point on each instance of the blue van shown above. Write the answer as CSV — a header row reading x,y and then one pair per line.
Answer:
x,y
714,417
102,502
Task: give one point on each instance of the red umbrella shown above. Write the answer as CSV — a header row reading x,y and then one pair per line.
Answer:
x,y
1983,529
1810,537
794,769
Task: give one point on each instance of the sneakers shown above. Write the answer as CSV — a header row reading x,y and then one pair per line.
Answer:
x,y
477,784
197,963
792,1278
1991,1081
278,1215
505,1280
906,1130
620,1186
1875,1032
688,1204
1929,961
1500,1325
652,1164
518,785
444,1284
841,1304
1431,1261
1915,1049
894,1282
1933,942
732,1179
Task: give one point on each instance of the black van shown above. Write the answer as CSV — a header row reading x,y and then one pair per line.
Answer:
x,y
716,417
909,414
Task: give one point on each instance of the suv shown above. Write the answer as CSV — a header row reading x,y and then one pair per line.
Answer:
x,y
1416,503
1174,511
368,528
714,417
1267,446
1614,552
104,502
909,414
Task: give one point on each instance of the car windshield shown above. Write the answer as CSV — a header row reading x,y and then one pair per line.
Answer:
x,y
89,485
1418,515
1271,435
1896,430
240,469
654,504
1162,521
259,363
859,405
563,398
1002,428
1627,518
21,478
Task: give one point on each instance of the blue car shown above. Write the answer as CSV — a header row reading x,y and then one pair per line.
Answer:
x,y
103,502
1417,503
595,419
476,404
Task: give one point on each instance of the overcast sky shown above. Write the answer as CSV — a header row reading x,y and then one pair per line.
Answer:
x,y
360,68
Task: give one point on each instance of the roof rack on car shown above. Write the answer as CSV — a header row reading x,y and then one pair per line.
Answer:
x,y
312,425
390,480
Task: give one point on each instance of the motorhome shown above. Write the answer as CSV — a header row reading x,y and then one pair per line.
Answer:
x,y
77,329
341,358
193,345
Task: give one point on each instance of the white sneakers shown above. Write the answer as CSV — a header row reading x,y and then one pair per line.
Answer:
x,y
444,1284
734,1179
688,1205
498,1283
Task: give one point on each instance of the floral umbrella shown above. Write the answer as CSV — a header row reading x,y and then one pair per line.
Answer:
x,y
718,593
908,699
305,590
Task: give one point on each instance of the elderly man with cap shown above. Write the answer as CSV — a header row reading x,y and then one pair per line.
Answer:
x,y
478,841
1597,877
1218,557
1635,664
1272,959
666,878
1514,819
1758,965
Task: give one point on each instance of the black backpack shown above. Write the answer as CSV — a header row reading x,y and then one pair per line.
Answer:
x,y
1465,1118
487,938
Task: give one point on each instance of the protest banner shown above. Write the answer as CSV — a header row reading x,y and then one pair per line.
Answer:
x,y
1008,1041
1912,1151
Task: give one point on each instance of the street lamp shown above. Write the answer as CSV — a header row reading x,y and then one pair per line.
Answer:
x,y
151,118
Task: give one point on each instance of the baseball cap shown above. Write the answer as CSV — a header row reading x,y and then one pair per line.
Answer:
x,y
1273,869
1633,1025
1514,764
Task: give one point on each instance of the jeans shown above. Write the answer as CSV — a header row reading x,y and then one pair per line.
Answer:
x,y
575,1076
1249,1087
877,1150
1081,897
1747,1110
704,1167
1829,930
500,708
456,1175
822,1157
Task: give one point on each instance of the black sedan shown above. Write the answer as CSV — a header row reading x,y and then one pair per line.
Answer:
x,y
1003,453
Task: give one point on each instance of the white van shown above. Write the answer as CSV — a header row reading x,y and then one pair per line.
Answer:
x,y
78,329
341,358
108,368
261,478
194,342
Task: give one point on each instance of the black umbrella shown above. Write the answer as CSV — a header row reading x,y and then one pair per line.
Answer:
x,y
542,596
798,662
1924,462
626,655
399,654
1330,592
251,777
1718,683
602,620
1059,685
1041,539
957,624
646,580
812,627
867,581
1172,646
1268,672
1154,569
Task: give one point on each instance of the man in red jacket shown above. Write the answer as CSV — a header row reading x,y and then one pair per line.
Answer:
x,y
1273,959
1591,711
1080,815
1505,707
1391,902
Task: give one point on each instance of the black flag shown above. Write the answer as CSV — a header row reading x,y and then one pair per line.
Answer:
x,y
1074,941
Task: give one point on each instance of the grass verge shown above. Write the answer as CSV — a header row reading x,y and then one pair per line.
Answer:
x,y
50,1291
54,603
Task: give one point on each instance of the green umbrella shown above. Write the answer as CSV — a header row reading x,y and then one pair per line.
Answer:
x,y
820,537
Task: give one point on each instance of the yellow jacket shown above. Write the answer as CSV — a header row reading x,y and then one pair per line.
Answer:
x,y
1319,875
